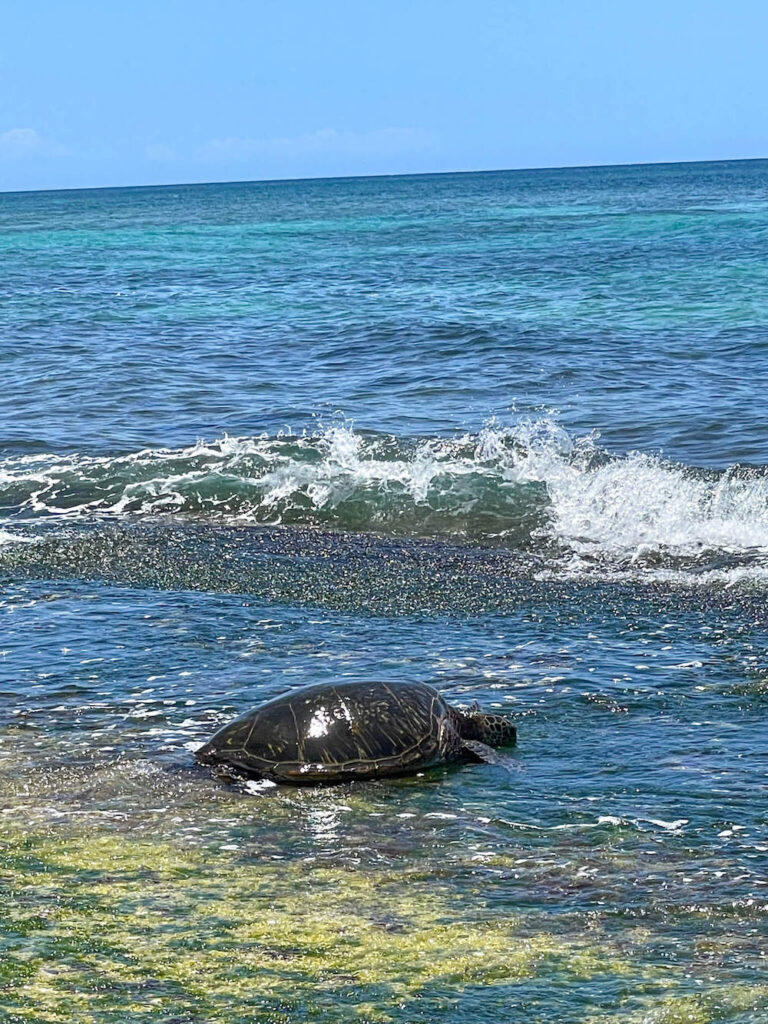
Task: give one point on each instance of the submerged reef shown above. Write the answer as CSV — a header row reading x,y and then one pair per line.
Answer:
x,y
100,926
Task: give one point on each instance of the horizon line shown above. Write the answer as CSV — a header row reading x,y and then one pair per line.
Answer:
x,y
398,174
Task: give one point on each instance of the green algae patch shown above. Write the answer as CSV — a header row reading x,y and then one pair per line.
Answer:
x,y
106,927
726,1002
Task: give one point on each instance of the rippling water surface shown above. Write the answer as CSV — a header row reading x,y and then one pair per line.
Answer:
x,y
504,433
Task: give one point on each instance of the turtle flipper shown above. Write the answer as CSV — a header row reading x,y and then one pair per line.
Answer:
x,y
483,752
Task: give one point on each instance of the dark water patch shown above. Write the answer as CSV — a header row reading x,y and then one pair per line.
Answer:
x,y
345,571
353,572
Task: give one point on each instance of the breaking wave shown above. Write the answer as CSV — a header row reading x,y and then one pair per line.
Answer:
x,y
530,485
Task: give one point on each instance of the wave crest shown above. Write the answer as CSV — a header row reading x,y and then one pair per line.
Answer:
x,y
338,478
530,485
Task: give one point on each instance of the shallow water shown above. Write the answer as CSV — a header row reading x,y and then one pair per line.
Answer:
x,y
545,490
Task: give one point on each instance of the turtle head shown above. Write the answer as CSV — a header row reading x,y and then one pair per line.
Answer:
x,y
495,730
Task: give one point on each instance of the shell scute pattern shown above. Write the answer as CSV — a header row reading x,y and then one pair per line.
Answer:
x,y
340,731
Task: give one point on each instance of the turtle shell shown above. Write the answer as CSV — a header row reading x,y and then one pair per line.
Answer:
x,y
328,733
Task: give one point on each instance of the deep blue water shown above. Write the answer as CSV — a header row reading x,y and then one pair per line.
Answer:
x,y
502,432
632,300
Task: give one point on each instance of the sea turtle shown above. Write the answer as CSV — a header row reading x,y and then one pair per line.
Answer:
x,y
353,730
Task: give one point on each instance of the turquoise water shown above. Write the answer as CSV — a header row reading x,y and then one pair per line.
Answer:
x,y
501,432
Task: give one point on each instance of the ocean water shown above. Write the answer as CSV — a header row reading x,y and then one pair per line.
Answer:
x,y
503,432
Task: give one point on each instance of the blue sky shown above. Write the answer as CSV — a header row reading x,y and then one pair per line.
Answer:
x,y
110,93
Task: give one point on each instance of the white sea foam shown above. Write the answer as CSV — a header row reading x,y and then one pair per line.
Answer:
x,y
641,516
13,538
641,504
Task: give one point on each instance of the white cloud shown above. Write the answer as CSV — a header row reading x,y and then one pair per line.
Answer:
x,y
159,152
18,143
327,142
